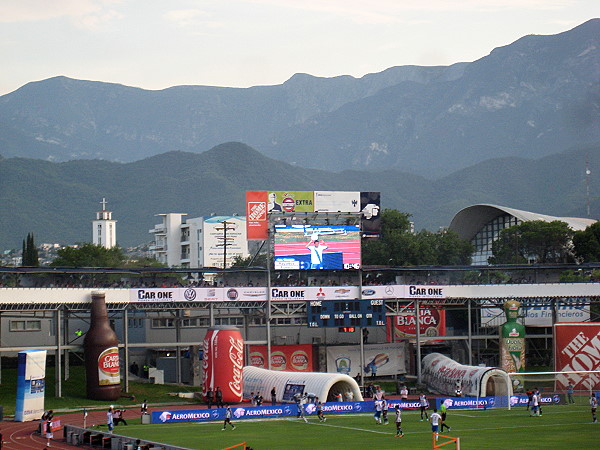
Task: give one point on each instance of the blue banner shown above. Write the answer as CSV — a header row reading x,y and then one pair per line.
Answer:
x,y
494,402
284,410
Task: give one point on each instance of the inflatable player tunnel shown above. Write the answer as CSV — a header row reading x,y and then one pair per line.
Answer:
x,y
443,375
323,385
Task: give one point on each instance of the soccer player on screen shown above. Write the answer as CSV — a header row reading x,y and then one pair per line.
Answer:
x,y
316,249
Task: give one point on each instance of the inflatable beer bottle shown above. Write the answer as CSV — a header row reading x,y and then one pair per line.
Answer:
x,y
512,339
101,352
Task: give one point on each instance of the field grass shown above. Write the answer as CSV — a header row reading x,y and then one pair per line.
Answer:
x,y
560,427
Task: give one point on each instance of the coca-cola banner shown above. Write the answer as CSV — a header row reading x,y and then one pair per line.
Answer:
x,y
380,359
432,322
291,358
577,348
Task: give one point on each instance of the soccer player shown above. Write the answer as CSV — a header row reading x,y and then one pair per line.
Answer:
x,y
594,405
320,412
378,409
443,410
423,404
534,405
228,418
399,432
110,420
435,422
384,410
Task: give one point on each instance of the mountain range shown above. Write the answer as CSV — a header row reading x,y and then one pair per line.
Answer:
x,y
58,200
535,97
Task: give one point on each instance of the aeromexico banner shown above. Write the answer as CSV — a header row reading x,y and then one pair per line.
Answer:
x,y
291,358
302,293
577,348
31,384
494,402
284,410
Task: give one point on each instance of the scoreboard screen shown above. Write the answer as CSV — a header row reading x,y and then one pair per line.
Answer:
x,y
345,313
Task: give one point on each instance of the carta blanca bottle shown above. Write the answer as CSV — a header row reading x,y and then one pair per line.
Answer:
x,y
101,353
512,339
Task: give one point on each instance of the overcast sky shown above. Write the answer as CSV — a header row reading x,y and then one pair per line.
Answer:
x,y
154,44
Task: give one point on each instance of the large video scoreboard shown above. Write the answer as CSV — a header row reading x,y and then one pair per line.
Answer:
x,y
345,313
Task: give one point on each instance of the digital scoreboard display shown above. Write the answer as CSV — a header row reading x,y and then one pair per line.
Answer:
x,y
345,313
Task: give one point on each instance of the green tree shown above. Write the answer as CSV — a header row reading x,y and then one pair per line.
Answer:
x,y
543,242
30,256
398,246
259,261
89,255
586,243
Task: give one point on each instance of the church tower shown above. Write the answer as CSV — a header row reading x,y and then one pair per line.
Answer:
x,y
104,228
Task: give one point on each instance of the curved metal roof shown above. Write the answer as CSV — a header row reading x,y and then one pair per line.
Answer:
x,y
468,221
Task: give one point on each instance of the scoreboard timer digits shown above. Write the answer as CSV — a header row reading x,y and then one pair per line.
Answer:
x,y
345,313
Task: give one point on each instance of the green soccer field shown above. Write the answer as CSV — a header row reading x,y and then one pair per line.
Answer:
x,y
560,427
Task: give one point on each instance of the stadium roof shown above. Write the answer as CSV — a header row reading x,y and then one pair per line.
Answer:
x,y
468,221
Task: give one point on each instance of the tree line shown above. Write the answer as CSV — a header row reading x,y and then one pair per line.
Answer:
x,y
529,242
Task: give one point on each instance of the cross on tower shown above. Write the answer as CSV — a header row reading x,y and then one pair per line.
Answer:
x,y
103,202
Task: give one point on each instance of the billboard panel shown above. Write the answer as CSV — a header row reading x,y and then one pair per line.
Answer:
x,y
224,238
257,223
538,316
31,385
577,347
290,358
302,247
380,359
432,322
337,201
290,201
370,206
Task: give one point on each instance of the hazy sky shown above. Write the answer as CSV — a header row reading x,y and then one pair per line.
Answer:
x,y
155,44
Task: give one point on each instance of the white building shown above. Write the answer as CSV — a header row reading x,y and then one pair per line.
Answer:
x,y
104,228
199,242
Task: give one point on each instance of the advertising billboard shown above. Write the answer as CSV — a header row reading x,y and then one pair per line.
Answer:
x,y
380,359
432,322
257,219
290,201
302,247
290,358
370,206
31,385
337,201
577,348
224,239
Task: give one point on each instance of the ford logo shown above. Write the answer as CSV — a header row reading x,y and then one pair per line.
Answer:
x,y
368,292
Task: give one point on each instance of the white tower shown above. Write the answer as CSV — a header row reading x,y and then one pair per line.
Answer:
x,y
104,228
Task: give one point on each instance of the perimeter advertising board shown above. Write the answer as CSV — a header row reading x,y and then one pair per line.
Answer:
x,y
380,359
290,358
577,348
